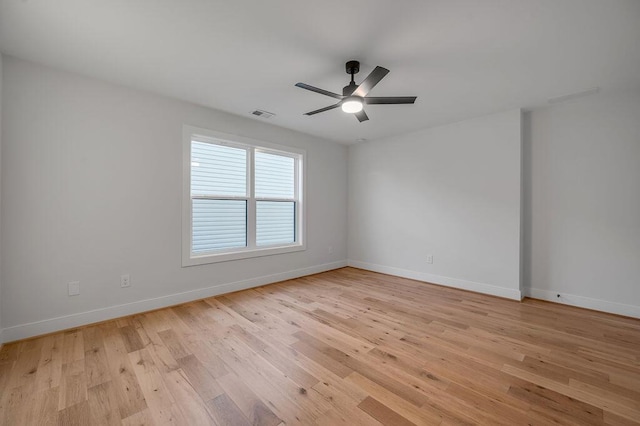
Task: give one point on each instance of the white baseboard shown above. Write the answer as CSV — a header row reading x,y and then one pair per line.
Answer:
x,y
51,325
583,302
493,290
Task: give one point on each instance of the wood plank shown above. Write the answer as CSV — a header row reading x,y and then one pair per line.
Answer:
x,y
276,358
415,414
622,409
45,409
162,407
131,338
199,377
103,404
225,412
16,405
404,391
556,406
73,387
382,413
283,397
126,387
96,365
335,417
253,408
141,418
73,346
50,364
75,415
23,372
173,344
193,408
327,362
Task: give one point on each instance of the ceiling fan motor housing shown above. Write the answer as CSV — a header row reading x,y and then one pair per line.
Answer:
x,y
349,89
353,67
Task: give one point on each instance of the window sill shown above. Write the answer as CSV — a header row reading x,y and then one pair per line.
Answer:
x,y
190,260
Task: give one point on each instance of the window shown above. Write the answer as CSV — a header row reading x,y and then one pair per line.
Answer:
x,y
242,198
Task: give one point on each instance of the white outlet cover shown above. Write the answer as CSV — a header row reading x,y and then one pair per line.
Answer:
x,y
74,288
125,280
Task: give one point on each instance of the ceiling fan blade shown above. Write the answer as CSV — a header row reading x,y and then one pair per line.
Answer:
x,y
372,79
390,100
361,116
317,90
323,109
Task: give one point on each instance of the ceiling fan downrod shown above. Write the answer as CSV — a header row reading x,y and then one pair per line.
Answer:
x,y
353,67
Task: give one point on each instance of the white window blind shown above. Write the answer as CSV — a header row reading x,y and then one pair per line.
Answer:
x,y
243,199
218,172
275,222
275,194
275,175
219,224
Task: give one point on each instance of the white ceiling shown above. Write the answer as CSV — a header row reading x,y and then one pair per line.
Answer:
x,y
461,58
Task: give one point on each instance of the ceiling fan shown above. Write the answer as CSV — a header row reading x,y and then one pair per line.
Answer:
x,y
354,96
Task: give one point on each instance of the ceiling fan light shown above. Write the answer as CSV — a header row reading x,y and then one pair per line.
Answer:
x,y
352,104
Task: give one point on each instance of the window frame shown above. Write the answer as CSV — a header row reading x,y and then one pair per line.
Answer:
x,y
189,258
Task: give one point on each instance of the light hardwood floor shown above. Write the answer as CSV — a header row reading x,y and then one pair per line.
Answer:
x,y
343,347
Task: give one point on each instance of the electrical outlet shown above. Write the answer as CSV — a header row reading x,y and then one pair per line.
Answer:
x,y
74,288
330,249
125,280
430,258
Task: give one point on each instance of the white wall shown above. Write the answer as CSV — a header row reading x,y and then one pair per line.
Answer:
x,y
451,191
91,189
582,203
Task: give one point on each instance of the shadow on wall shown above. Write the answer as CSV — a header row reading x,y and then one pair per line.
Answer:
x,y
526,258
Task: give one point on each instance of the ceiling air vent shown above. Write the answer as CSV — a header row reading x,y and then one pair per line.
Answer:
x,y
262,114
